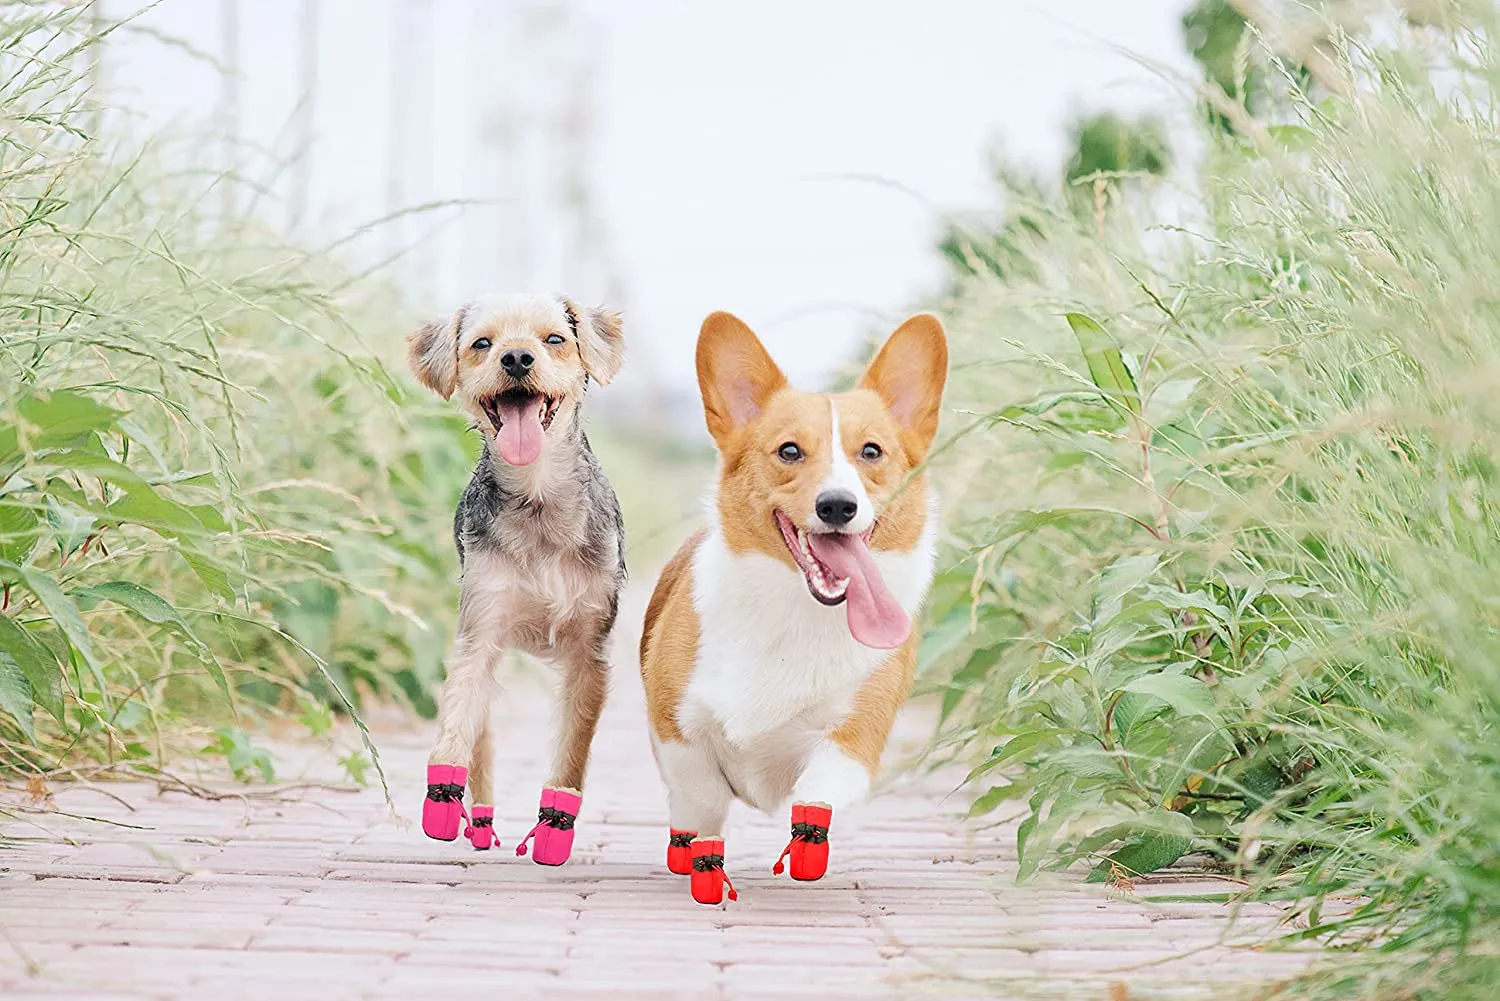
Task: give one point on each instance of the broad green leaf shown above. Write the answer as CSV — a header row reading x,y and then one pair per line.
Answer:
x,y
996,795
1260,781
1187,696
18,532
1145,854
70,530
15,694
54,419
973,671
68,619
1086,762
1106,365
1210,751
1119,579
36,662
139,502
153,608
1013,748
1132,709
212,576
1034,843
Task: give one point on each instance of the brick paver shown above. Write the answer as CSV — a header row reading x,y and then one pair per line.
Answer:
x,y
326,895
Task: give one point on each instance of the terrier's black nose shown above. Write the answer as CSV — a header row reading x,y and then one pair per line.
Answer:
x,y
517,363
836,507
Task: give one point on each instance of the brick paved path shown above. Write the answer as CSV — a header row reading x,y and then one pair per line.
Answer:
x,y
324,895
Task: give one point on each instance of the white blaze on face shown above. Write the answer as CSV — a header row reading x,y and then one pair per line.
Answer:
x,y
843,476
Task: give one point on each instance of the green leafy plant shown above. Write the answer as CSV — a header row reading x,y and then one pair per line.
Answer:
x,y
1224,522
215,502
244,759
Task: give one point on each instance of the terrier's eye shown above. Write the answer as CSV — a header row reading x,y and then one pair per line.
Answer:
x,y
870,452
481,344
789,452
556,339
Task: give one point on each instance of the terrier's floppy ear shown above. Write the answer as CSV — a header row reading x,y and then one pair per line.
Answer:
x,y
908,374
735,375
432,353
601,344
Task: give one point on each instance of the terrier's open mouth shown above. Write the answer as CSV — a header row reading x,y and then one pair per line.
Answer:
x,y
521,419
519,404
822,580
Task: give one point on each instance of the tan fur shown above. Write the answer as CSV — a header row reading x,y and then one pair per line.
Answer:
x,y
669,640
751,411
547,600
864,732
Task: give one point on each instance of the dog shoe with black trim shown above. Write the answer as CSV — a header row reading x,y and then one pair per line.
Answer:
x,y
444,805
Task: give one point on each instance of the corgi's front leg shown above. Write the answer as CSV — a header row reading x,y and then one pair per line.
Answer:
x,y
698,798
831,779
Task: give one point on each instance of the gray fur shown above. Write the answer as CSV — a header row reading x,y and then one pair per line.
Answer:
x,y
495,516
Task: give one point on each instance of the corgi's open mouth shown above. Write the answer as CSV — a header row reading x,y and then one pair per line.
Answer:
x,y
520,418
822,580
840,568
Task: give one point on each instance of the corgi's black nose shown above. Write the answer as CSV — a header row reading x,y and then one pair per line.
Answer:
x,y
517,363
836,507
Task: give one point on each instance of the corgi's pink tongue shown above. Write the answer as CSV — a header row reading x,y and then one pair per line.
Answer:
x,y
876,618
520,434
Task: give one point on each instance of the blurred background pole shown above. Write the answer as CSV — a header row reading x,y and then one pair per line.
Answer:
x,y
397,106
96,23
306,130
229,98
409,125
418,141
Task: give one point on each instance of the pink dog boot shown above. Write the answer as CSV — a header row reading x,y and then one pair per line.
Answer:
x,y
445,801
554,827
481,829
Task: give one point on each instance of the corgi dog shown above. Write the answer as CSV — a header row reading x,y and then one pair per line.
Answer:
x,y
778,643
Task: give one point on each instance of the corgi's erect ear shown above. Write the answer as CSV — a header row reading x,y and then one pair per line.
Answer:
x,y
601,343
909,373
735,374
432,353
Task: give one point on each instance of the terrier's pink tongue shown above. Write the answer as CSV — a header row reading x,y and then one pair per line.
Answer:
x,y
876,618
520,434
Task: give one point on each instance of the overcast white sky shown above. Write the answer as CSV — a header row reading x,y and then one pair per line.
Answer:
x,y
785,160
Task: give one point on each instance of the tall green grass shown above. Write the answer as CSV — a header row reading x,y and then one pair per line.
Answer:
x,y
1227,574
216,504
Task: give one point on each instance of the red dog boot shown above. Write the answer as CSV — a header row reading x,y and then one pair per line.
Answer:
x,y
481,829
680,851
445,801
554,827
709,878
809,845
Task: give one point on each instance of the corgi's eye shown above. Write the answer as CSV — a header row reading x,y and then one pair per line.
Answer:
x,y
481,344
789,452
556,339
870,452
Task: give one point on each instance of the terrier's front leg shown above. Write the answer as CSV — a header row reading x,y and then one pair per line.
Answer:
x,y
463,714
580,698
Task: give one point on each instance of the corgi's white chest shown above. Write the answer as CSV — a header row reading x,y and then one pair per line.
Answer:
x,y
771,658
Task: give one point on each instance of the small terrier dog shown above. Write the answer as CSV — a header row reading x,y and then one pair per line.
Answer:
x,y
758,685
540,543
